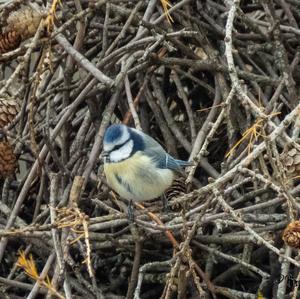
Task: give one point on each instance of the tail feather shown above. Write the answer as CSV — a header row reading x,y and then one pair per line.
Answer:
x,y
183,163
176,164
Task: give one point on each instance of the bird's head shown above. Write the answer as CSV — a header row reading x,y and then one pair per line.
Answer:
x,y
120,143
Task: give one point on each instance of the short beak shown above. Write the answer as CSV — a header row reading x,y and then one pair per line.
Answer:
x,y
105,156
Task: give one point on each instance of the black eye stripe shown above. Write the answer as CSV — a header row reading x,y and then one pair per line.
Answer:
x,y
119,146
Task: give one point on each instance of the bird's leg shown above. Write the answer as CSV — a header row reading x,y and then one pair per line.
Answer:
x,y
164,203
130,211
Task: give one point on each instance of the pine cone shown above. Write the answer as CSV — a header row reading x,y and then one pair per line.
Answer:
x,y
24,21
9,108
9,41
8,160
291,235
177,189
291,161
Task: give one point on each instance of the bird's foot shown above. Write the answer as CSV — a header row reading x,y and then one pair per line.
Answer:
x,y
130,211
165,203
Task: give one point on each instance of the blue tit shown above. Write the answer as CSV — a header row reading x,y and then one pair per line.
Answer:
x,y
135,165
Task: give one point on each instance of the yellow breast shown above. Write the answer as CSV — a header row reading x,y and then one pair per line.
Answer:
x,y
136,178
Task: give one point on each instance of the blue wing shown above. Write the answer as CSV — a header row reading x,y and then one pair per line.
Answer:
x,y
158,155
171,163
165,161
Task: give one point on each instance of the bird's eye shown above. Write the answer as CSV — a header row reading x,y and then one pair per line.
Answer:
x,y
119,145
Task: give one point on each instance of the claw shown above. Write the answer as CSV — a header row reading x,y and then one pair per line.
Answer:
x,y
165,203
130,211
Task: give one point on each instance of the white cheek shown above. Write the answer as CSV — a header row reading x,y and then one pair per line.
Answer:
x,y
107,147
122,153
